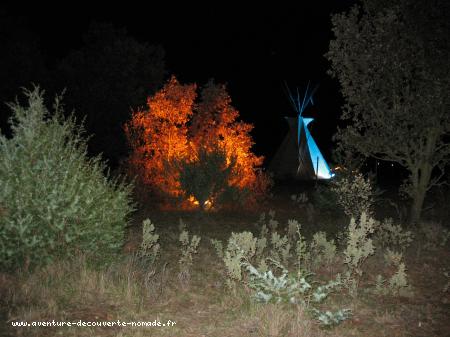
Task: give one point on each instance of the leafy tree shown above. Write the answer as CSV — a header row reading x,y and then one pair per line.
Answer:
x,y
204,140
158,135
54,200
216,124
108,75
391,60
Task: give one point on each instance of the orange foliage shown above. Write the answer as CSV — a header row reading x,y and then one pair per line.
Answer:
x,y
160,137
215,125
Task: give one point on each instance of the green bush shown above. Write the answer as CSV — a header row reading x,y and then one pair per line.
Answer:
x,y
56,201
189,248
323,250
355,195
359,248
390,235
206,179
324,198
149,250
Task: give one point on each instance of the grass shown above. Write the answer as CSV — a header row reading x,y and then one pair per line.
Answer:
x,y
130,291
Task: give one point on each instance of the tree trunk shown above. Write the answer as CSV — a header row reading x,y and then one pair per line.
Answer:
x,y
416,207
420,185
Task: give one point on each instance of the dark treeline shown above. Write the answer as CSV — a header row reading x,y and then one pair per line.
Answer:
x,y
103,80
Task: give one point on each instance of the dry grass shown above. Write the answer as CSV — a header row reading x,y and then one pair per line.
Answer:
x,y
275,320
73,291
204,306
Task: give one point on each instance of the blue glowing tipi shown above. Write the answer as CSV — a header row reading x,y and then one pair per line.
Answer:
x,y
299,156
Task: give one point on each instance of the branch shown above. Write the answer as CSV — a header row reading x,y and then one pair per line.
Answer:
x,y
434,182
443,146
441,154
402,160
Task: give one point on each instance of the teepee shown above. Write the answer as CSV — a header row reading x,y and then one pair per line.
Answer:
x,y
299,156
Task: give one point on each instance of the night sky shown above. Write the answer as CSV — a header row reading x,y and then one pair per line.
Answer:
x,y
252,49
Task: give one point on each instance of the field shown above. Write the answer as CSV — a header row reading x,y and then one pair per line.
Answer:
x,y
200,302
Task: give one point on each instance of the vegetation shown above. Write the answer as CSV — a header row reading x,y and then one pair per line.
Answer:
x,y
329,260
354,194
189,247
121,72
207,178
149,249
54,200
177,131
391,61
305,289
359,248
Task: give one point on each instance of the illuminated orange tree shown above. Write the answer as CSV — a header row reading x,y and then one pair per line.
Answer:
x,y
215,124
173,130
158,136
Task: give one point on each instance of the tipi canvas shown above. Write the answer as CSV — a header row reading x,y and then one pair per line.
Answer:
x,y
299,156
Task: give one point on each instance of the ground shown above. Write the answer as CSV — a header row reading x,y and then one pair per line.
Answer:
x,y
205,306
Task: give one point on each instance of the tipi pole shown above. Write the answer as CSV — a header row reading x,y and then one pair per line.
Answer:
x,y
317,170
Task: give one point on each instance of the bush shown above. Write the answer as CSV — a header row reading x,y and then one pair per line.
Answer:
x,y
434,235
206,179
56,201
396,285
241,246
323,250
355,195
390,235
149,250
270,288
189,248
325,198
359,248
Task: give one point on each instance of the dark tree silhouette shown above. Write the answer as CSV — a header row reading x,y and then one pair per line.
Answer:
x,y
21,62
392,61
108,77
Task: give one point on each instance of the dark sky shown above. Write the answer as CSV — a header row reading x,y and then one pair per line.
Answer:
x,y
253,49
